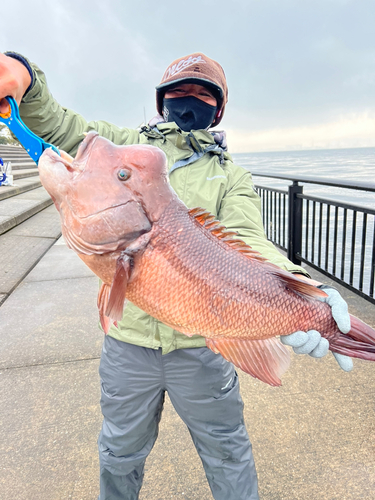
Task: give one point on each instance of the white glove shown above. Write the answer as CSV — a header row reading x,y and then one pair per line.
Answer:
x,y
312,343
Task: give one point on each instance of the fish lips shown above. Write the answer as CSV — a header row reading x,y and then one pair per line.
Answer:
x,y
55,167
57,172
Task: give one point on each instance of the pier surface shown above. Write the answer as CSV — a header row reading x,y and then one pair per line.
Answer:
x,y
313,438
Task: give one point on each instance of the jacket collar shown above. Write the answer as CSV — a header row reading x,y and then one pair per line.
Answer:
x,y
195,140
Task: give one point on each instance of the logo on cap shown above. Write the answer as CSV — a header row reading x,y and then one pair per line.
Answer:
x,y
181,65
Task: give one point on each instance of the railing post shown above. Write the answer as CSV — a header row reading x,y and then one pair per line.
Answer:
x,y
294,222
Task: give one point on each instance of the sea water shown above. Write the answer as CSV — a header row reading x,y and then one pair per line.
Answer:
x,y
353,165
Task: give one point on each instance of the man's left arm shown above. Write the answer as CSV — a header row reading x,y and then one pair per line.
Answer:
x,y
240,211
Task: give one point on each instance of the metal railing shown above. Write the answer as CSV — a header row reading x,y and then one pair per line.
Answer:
x,y
337,239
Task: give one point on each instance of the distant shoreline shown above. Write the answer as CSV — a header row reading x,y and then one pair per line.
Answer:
x,y
304,150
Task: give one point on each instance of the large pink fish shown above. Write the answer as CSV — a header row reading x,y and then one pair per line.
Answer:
x,y
181,266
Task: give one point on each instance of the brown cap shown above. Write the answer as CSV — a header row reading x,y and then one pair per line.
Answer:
x,y
200,69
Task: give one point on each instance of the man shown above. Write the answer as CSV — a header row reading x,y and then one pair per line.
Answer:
x,y
141,357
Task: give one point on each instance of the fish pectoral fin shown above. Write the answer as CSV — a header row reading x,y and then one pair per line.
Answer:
x,y
102,306
117,294
266,360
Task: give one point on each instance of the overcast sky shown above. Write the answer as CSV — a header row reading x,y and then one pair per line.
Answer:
x,y
301,73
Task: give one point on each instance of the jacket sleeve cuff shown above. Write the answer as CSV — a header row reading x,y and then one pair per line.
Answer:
x,y
25,62
299,271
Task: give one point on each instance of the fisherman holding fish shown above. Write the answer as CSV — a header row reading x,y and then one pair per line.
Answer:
x,y
142,357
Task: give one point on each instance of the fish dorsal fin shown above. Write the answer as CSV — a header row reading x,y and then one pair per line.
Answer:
x,y
102,306
208,221
266,360
117,294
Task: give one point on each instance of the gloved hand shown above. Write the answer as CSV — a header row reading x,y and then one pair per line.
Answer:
x,y
312,343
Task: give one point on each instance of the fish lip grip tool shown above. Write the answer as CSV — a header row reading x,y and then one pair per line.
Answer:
x,y
33,144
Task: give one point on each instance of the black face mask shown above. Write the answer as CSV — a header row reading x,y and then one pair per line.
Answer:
x,y
190,113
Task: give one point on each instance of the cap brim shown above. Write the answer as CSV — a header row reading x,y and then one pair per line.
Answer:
x,y
199,81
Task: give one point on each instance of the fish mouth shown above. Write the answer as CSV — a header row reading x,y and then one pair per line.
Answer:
x,y
63,157
77,164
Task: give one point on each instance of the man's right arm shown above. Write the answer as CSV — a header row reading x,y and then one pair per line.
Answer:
x,y
40,112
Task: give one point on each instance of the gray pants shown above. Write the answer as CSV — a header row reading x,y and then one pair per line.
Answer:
x,y
204,390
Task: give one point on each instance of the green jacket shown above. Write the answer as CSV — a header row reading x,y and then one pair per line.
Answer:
x,y
207,178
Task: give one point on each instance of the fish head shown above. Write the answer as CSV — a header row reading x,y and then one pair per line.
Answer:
x,y
108,195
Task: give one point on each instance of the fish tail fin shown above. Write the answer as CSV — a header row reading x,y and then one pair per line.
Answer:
x,y
265,360
358,343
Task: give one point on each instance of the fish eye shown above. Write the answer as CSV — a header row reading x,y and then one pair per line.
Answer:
x,y
123,175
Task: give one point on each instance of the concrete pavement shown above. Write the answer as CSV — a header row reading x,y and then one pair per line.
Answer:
x,y
313,438
29,225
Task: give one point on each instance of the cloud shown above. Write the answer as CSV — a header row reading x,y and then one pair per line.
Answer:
x,y
350,131
291,65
